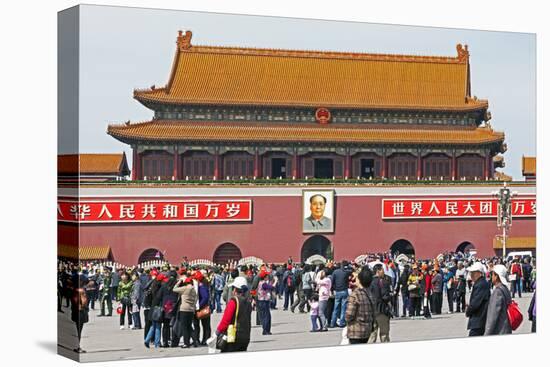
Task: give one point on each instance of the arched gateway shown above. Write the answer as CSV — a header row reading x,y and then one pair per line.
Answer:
x,y
402,247
226,252
465,247
316,245
150,254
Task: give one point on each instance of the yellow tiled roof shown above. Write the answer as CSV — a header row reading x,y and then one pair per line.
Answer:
x,y
529,166
90,163
169,130
83,252
516,242
250,76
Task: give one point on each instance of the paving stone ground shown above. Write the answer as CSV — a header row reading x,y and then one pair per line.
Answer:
x,y
103,340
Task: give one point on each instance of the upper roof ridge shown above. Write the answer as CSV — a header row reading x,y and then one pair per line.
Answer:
x,y
184,45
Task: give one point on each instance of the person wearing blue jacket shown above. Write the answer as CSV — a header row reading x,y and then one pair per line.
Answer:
x,y
203,291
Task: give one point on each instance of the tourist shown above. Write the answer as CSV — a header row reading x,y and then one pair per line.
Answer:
x,y
324,285
105,291
308,284
188,295
516,276
426,286
218,285
381,296
526,270
264,290
476,310
124,291
91,290
437,289
461,287
203,292
316,324
414,288
532,311
115,281
169,305
156,313
300,300
289,284
79,309
497,310
450,287
340,282
403,285
136,299
360,312
238,314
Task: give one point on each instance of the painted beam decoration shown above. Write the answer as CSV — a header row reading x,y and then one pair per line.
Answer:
x,y
448,208
154,211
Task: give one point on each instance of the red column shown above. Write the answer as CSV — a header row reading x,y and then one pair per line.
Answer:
x,y
139,175
217,165
487,166
256,164
134,163
347,165
453,166
384,172
295,171
176,164
419,165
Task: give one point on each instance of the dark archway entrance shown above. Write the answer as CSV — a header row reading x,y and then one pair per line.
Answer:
x,y
402,247
151,254
324,168
465,247
367,168
316,245
226,252
278,167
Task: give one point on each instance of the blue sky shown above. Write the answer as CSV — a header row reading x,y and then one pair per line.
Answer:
x,y
126,48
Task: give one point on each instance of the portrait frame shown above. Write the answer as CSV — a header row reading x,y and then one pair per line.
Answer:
x,y
329,211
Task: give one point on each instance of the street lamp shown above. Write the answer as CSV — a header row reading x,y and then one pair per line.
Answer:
x,y
504,213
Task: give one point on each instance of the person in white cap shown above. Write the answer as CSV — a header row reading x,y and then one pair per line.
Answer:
x,y
497,311
237,312
476,310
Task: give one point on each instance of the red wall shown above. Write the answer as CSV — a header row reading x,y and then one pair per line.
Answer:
x,y
276,232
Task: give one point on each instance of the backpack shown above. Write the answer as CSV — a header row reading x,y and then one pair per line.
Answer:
x,y
218,282
290,280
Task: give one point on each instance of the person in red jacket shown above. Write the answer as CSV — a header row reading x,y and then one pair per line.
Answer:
x,y
427,290
516,275
237,313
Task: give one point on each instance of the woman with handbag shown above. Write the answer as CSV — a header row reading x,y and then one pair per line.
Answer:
x,y
202,316
184,287
123,297
233,331
155,313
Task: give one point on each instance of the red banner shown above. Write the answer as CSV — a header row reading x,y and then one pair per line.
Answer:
x,y
154,211
453,208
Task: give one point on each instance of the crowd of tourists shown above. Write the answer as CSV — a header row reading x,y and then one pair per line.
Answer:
x,y
173,304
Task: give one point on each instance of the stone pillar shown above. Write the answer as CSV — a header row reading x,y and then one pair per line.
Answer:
x,y
176,168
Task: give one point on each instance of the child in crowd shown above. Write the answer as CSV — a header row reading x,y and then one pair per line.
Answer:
x,y
314,313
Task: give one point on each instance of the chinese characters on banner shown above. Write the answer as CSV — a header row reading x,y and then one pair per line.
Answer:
x,y
453,208
154,211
